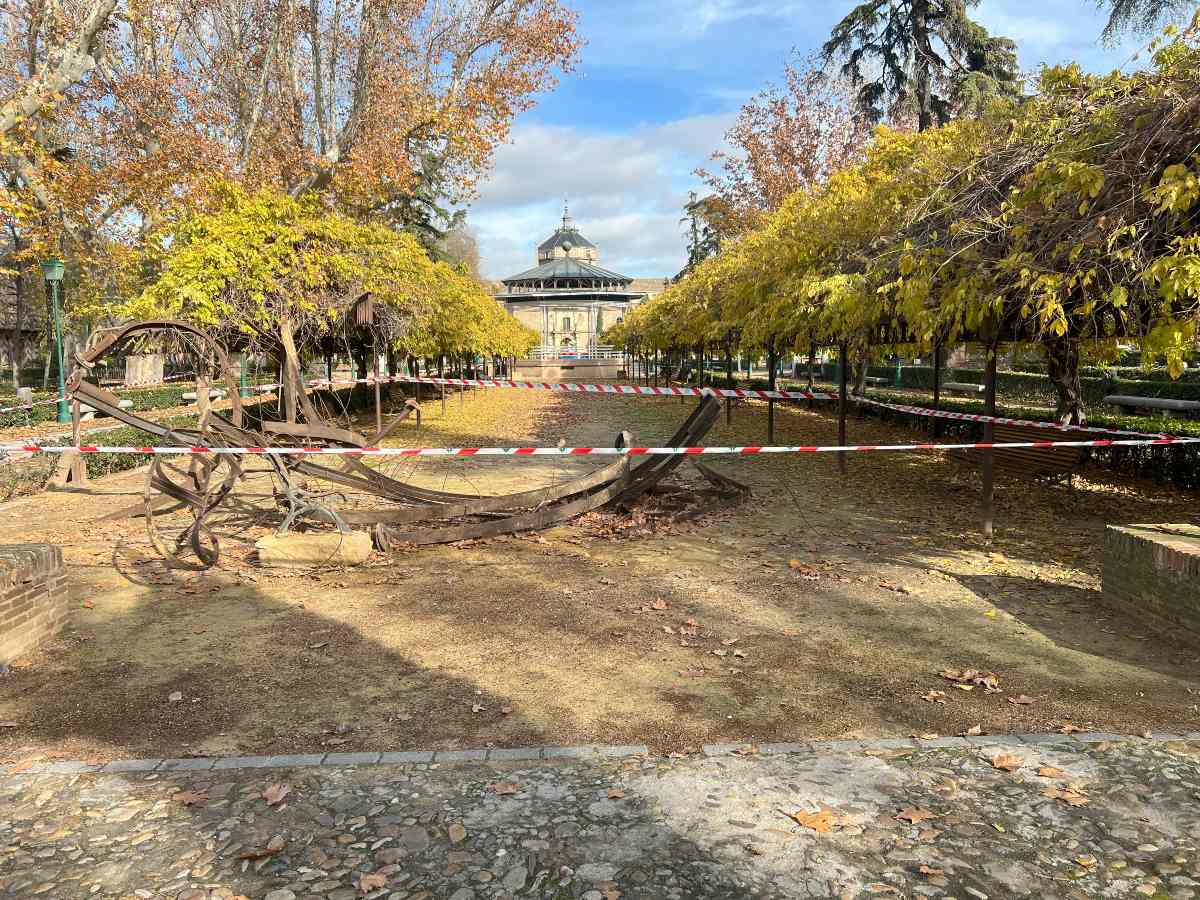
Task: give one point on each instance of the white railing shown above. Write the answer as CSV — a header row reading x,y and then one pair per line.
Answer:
x,y
600,351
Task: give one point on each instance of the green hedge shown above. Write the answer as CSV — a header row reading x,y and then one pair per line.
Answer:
x,y
1031,387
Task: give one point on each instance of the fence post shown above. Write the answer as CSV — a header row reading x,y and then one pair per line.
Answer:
x,y
989,455
842,404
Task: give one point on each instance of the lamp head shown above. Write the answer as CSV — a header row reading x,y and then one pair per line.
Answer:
x,y
52,269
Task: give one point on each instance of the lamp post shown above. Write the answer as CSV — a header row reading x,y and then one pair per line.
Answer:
x,y
52,271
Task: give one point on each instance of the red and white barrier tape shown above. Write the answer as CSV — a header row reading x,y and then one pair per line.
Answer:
x,y
1000,420
571,387
580,451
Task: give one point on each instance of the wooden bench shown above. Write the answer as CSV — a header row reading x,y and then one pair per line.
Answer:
x,y
876,380
1131,404
213,394
960,387
87,413
1030,462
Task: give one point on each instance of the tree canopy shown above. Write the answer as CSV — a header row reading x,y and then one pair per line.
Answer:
x,y
1067,220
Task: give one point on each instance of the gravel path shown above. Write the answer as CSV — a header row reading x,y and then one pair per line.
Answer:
x,y
1073,820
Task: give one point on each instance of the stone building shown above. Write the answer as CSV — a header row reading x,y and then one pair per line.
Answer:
x,y
569,299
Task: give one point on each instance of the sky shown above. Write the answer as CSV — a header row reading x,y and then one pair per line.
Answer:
x,y
657,85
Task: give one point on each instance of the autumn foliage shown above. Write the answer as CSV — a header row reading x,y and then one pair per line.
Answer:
x,y
1067,221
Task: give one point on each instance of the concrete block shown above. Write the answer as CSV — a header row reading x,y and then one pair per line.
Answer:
x,y
186,765
890,744
351,759
67,767
406,757
1051,738
243,762
781,749
954,743
132,765
318,548
622,750
1096,737
297,759
836,746
442,756
505,754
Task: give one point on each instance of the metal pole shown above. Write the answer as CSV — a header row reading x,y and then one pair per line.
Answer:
x,y
842,404
64,414
937,387
989,456
378,403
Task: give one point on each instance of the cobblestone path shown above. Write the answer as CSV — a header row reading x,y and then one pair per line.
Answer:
x,y
1055,819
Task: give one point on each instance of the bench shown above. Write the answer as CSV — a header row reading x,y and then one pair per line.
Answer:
x,y
213,394
1131,404
876,380
1029,462
960,387
87,413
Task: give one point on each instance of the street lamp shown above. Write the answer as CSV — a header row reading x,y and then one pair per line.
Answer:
x,y
52,271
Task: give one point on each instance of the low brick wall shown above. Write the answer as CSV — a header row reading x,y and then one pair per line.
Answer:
x,y
33,597
1153,573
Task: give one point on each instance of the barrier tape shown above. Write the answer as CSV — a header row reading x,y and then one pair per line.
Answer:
x,y
1000,420
580,451
139,384
571,387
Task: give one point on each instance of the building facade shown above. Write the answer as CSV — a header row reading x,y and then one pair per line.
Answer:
x,y
569,299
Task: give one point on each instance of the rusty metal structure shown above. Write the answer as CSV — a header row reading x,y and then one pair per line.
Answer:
x,y
398,513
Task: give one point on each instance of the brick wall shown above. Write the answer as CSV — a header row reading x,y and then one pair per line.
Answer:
x,y
1153,573
33,597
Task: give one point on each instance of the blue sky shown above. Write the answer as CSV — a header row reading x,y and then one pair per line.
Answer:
x,y
658,84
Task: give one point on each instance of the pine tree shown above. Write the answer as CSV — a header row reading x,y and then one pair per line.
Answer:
x,y
917,55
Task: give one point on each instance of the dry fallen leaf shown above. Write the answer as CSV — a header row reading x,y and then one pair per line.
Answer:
x,y
1066,795
609,890
476,708
457,833
504,788
934,697
191,798
88,604
820,822
973,731
880,888
275,793
616,794
1021,700
929,871
1051,772
660,604
367,883
1007,762
274,845
915,814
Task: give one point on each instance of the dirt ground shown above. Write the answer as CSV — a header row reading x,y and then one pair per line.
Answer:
x,y
825,607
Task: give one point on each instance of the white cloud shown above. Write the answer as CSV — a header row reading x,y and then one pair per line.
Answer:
x,y
626,191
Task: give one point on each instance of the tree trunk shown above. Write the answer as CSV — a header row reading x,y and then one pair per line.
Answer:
x,y
1062,364
924,56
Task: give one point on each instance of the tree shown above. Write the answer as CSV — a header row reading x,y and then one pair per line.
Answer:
x,y
699,215
786,138
1143,16
908,52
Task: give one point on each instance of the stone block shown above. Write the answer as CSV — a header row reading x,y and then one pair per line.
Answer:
x,y
296,759
187,765
132,765
780,749
243,762
351,759
506,754
941,743
836,746
406,757
318,548
1152,573
442,756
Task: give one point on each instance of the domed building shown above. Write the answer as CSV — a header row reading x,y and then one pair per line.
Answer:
x,y
571,300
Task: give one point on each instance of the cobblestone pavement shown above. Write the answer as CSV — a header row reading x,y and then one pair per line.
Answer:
x,y
1071,819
